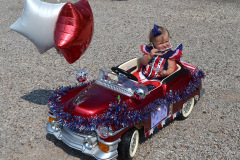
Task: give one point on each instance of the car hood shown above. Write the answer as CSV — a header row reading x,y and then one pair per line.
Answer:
x,y
93,100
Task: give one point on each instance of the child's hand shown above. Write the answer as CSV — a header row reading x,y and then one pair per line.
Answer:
x,y
148,57
162,73
155,52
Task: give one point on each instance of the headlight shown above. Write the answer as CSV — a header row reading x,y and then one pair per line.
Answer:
x,y
103,131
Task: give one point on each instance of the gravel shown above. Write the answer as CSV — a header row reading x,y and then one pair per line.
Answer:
x,y
209,32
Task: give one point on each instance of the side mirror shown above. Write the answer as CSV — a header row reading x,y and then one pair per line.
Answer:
x,y
140,93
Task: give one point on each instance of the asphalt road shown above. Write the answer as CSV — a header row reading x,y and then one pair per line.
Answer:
x,y
209,31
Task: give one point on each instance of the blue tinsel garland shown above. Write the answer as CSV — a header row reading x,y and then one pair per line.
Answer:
x,y
118,114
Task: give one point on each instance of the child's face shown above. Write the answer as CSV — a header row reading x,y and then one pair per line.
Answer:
x,y
161,42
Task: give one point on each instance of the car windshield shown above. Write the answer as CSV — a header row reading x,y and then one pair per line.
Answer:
x,y
119,83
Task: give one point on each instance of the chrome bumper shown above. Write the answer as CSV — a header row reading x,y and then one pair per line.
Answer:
x,y
78,141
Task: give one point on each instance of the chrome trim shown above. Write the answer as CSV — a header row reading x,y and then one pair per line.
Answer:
x,y
116,132
109,143
76,140
113,87
50,115
111,133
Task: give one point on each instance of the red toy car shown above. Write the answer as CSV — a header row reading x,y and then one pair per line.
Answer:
x,y
102,118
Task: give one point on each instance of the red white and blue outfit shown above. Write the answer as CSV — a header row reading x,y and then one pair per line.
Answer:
x,y
148,74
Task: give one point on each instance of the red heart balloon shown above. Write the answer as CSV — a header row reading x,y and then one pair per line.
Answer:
x,y
74,29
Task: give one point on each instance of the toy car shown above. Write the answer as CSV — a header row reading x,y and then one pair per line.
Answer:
x,y
102,118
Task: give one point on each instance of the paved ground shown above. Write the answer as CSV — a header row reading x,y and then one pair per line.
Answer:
x,y
209,31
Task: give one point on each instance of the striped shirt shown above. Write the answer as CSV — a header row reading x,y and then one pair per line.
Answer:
x,y
158,63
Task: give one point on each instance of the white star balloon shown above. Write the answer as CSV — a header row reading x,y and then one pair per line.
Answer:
x,y
37,23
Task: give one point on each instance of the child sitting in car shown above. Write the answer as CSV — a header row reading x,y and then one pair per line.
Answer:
x,y
158,60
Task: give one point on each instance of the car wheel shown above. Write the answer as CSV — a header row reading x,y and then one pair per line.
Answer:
x,y
187,108
127,148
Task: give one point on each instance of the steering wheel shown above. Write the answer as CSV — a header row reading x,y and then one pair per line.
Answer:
x,y
127,74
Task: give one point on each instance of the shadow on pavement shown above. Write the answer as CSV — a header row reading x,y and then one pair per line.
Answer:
x,y
40,96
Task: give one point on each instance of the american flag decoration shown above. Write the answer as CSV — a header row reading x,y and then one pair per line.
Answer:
x,y
164,122
119,114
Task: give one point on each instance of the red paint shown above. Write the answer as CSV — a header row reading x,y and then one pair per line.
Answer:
x,y
159,125
71,94
147,134
96,99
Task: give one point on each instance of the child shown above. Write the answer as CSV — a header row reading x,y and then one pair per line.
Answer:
x,y
159,60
